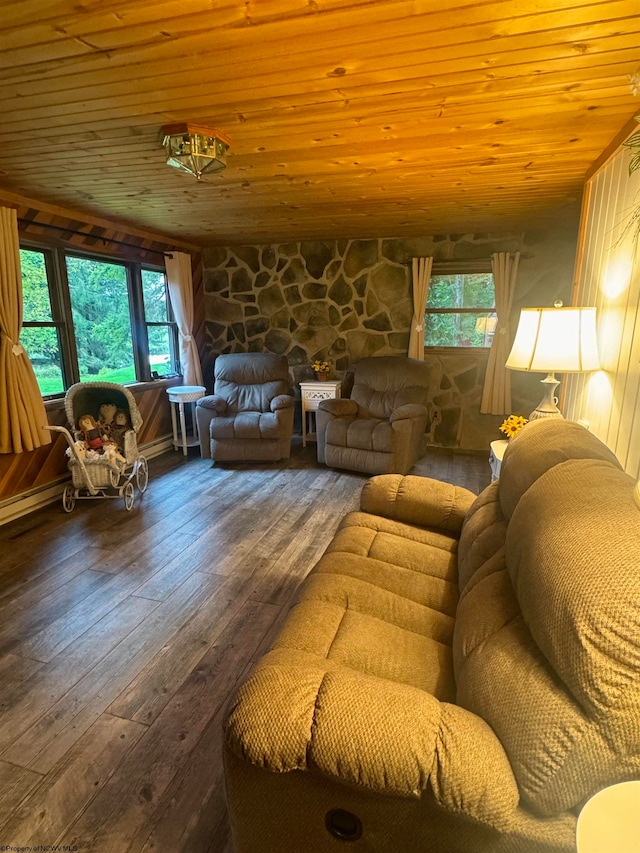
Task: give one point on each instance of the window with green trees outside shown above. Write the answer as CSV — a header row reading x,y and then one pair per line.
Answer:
x,y
101,320
89,318
41,327
161,330
460,310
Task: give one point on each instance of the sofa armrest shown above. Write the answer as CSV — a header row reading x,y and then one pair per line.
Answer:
x,y
411,411
212,402
339,408
380,735
282,401
417,500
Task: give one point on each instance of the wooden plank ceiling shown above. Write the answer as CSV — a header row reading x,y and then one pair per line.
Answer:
x,y
369,118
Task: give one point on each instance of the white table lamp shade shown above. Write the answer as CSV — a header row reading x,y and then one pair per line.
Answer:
x,y
610,821
559,340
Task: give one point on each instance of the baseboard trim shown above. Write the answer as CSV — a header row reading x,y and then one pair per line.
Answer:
x,y
33,499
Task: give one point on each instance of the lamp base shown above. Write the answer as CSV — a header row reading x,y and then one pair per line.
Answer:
x,y
548,406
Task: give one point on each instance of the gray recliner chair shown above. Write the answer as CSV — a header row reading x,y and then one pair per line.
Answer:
x,y
249,417
380,429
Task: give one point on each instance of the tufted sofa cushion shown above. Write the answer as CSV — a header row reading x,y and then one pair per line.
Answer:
x,y
246,425
544,649
361,434
379,389
548,442
249,383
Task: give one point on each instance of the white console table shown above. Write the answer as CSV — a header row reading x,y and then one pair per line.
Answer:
x,y
311,395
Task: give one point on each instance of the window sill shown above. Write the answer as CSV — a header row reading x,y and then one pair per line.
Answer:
x,y
164,382
479,351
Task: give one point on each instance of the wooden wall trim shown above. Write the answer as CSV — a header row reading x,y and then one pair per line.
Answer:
x,y
11,199
612,148
582,237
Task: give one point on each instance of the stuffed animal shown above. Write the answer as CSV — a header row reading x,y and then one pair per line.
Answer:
x,y
81,449
91,433
112,454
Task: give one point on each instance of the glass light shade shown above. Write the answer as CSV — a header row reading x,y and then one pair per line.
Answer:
x,y
195,149
559,340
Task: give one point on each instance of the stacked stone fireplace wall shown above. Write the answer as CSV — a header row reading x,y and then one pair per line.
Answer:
x,y
344,300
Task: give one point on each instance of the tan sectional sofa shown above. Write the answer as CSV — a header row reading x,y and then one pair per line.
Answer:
x,y
458,673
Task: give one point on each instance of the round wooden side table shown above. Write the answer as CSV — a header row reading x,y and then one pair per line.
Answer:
x,y
180,395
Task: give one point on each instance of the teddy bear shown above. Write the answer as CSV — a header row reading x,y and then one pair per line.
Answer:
x,y
80,448
112,454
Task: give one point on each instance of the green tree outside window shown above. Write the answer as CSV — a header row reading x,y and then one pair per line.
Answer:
x,y
460,310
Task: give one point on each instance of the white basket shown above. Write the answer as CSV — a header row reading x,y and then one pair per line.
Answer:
x,y
102,474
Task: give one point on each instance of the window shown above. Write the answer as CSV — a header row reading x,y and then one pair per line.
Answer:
x,y
460,310
100,309
161,329
89,318
41,323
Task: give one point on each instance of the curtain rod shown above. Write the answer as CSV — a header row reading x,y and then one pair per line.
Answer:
x,y
104,240
461,265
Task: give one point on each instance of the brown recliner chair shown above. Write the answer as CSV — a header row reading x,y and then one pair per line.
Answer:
x,y
380,429
249,417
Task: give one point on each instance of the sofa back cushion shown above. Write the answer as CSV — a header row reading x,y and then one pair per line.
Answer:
x,y
250,381
547,634
537,448
383,384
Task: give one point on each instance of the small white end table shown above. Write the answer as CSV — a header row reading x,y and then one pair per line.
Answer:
x,y
311,395
495,456
181,394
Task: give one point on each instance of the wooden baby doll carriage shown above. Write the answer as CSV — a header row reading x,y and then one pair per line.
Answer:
x,y
103,450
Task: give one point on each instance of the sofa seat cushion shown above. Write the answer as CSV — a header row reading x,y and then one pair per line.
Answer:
x,y
361,434
258,425
381,601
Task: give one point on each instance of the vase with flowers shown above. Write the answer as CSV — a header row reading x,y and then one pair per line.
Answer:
x,y
512,425
321,370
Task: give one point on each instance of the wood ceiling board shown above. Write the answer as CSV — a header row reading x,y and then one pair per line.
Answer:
x,y
453,104
514,80
373,55
269,83
491,112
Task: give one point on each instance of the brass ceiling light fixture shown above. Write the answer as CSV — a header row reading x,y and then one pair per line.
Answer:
x,y
195,149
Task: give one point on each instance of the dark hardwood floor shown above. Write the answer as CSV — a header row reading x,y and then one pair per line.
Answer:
x,y
122,636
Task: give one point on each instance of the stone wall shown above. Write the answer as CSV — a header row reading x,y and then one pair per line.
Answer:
x,y
345,300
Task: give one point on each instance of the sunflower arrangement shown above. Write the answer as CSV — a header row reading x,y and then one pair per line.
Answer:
x,y
512,425
321,366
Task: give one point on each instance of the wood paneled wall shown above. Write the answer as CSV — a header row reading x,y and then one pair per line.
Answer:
x,y
22,472
608,276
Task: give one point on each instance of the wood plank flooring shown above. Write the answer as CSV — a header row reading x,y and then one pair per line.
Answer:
x,y
122,636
